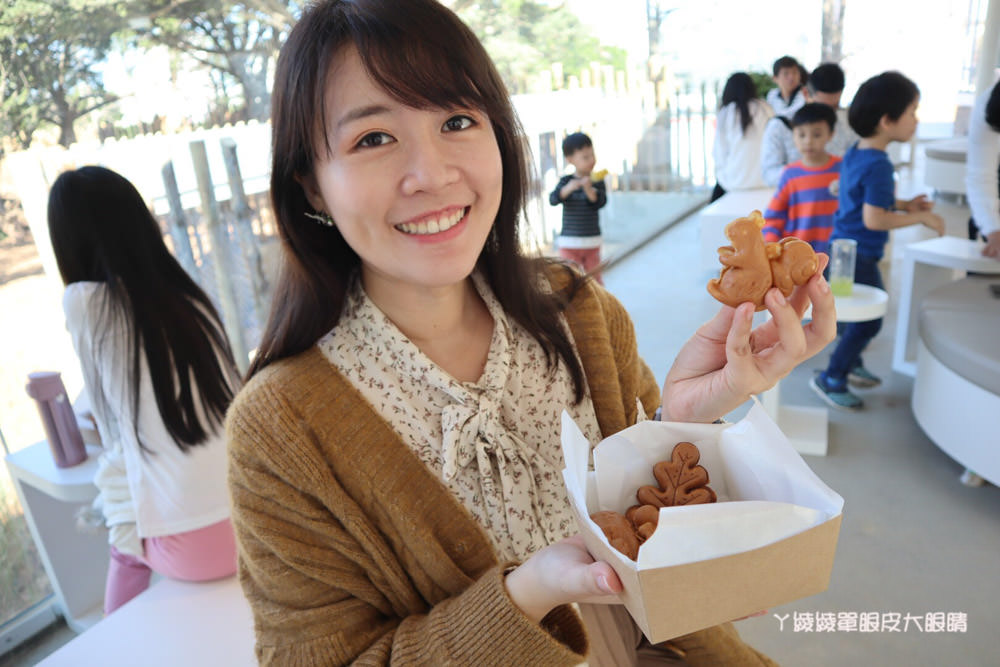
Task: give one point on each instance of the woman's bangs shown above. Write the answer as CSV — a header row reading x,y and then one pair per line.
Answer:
x,y
421,73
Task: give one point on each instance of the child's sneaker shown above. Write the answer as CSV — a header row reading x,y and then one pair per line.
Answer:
x,y
843,399
861,377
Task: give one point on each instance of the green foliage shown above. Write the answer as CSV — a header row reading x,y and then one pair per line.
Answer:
x,y
22,579
524,37
763,82
47,64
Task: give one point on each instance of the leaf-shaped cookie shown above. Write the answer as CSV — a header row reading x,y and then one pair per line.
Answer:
x,y
681,480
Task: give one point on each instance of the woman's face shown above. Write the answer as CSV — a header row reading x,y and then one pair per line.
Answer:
x,y
413,192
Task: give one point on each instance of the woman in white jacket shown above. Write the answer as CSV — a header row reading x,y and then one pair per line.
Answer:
x,y
982,174
160,375
739,131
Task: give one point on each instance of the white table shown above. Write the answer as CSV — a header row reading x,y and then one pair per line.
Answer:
x,y
76,562
927,265
171,624
712,220
807,427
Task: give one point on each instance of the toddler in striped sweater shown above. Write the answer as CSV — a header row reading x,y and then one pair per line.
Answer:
x,y
806,198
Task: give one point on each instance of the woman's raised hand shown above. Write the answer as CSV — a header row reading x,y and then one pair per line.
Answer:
x,y
560,573
726,360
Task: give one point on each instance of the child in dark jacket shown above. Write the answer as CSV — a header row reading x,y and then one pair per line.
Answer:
x,y
581,197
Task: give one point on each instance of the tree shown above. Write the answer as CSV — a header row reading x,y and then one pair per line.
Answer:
x,y
238,40
833,30
19,117
48,72
524,37
655,16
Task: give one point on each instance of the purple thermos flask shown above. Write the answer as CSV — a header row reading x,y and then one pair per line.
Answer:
x,y
65,440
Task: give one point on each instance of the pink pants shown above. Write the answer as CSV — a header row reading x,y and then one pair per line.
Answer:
x,y
197,555
588,259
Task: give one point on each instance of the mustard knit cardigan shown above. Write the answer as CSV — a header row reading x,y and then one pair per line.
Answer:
x,y
350,550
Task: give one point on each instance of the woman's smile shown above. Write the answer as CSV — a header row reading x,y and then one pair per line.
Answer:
x,y
436,224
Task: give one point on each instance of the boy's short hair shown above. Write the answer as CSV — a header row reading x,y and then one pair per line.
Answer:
x,y
888,94
815,112
827,78
783,62
574,142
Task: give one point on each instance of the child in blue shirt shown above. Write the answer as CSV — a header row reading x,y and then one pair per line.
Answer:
x,y
883,111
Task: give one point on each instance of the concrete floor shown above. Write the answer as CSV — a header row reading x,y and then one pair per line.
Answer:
x,y
913,539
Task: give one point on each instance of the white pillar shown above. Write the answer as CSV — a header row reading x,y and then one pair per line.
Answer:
x,y
989,49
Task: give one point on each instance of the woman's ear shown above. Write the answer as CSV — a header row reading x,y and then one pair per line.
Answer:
x,y
312,192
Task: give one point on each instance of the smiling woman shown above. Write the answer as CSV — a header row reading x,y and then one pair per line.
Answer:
x,y
395,459
413,191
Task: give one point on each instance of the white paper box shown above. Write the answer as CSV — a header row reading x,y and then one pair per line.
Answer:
x,y
769,539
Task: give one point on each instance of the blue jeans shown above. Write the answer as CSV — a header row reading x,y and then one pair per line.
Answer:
x,y
855,336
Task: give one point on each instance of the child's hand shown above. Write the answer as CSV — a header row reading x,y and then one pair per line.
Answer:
x,y
992,248
934,221
571,186
918,204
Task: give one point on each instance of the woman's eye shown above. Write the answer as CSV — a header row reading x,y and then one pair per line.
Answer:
x,y
373,139
458,123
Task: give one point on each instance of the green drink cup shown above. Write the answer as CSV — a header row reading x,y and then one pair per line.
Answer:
x,y
843,253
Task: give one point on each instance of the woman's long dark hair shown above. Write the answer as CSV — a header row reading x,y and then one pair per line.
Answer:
x,y
740,89
425,57
102,231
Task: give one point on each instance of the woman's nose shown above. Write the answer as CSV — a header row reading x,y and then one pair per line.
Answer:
x,y
429,166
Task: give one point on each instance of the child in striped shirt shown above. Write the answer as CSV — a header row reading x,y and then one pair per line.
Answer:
x,y
581,196
804,204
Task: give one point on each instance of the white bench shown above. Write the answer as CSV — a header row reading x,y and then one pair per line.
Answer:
x,y
712,220
956,393
927,265
172,624
944,168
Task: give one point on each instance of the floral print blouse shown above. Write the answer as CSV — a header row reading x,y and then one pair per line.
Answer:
x,y
494,443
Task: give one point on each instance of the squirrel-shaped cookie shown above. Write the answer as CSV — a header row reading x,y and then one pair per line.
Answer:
x,y
746,270
750,266
793,262
619,531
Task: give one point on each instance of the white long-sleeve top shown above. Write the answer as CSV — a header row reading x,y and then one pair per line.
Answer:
x,y
981,166
780,106
737,153
778,146
163,491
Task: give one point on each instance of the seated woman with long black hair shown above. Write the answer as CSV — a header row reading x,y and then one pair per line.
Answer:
x,y
160,375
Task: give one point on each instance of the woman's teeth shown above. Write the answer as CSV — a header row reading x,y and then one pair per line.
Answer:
x,y
433,225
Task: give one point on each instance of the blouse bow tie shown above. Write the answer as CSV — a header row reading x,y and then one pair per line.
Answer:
x,y
505,469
